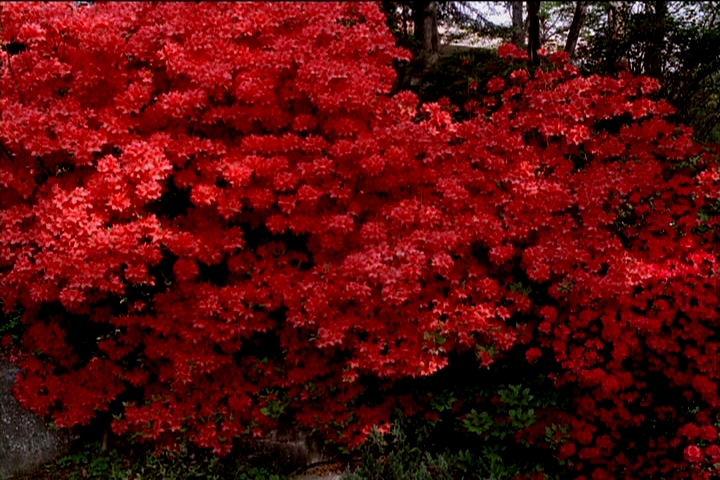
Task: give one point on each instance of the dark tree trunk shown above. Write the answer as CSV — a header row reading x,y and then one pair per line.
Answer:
x,y
575,27
424,15
533,32
518,32
617,14
613,19
653,58
616,18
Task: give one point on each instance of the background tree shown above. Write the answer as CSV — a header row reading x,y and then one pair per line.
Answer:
x,y
657,30
425,25
533,32
575,27
674,42
518,30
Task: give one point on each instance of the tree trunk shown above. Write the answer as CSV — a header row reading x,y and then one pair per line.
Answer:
x,y
617,13
518,32
533,32
653,58
424,15
575,27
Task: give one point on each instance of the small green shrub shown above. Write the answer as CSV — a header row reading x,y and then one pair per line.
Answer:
x,y
477,425
11,326
396,458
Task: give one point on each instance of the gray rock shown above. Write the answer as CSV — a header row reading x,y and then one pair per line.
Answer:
x,y
25,442
288,448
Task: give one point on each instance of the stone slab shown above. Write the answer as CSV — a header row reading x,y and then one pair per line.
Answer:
x,y
288,448
25,442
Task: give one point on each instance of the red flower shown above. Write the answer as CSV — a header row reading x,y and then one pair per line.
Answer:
x,y
693,454
432,416
709,433
566,450
713,451
520,76
533,354
495,84
511,51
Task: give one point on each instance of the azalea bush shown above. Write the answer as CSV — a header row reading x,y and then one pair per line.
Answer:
x,y
215,217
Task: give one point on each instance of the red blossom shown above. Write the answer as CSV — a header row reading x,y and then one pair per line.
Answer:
x,y
566,450
533,354
713,451
273,187
496,84
693,454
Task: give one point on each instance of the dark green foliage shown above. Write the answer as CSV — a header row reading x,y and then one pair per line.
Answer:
x,y
693,86
460,74
93,464
395,457
476,427
11,325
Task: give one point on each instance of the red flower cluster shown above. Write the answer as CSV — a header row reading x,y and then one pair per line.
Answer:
x,y
369,238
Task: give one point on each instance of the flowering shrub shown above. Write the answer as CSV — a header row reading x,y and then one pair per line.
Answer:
x,y
216,216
